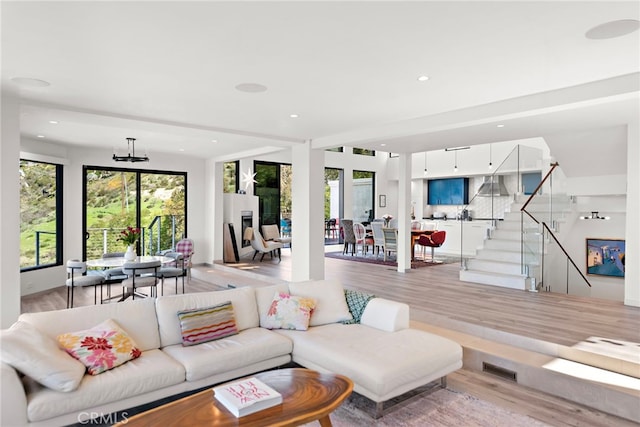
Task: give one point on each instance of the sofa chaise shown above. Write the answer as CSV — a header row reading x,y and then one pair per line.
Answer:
x,y
368,340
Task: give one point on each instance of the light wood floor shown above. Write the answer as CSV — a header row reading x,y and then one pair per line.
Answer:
x,y
556,318
551,317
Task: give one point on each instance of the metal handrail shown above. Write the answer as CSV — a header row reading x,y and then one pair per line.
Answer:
x,y
546,227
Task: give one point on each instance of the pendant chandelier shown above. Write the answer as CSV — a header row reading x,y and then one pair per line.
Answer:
x,y
131,153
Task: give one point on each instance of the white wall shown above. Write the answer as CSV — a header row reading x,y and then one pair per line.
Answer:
x,y
76,158
9,215
574,242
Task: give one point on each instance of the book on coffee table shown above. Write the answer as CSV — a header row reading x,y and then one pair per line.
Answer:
x,y
246,396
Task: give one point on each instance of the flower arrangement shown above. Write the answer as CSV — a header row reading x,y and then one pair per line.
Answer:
x,y
387,219
130,235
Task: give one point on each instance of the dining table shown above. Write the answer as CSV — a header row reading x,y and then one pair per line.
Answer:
x,y
415,235
115,262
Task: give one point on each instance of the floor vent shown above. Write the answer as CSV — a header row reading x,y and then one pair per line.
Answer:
x,y
500,372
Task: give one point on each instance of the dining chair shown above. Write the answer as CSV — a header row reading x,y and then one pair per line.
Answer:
x,y
285,227
140,275
74,267
349,236
111,275
433,240
378,236
260,245
390,241
360,234
175,269
331,228
186,248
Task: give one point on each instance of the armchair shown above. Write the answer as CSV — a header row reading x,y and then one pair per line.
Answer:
x,y
262,246
433,240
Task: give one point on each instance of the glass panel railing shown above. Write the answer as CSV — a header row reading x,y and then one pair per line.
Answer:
x,y
161,234
495,205
550,208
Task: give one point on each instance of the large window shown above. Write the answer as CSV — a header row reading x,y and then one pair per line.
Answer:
x,y
364,151
40,215
363,196
273,188
231,180
154,201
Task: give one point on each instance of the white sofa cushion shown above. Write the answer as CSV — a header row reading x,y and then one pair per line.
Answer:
x,y
387,315
167,308
38,356
248,347
137,317
380,363
151,371
331,304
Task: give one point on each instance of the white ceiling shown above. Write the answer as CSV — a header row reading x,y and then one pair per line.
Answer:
x,y
165,73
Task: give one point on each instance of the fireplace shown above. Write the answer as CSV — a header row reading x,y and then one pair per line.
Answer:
x,y
247,221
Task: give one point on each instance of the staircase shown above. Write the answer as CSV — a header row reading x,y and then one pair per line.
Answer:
x,y
499,262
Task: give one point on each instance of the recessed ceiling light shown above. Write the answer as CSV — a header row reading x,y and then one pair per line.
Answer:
x,y
40,136
251,87
423,78
500,126
214,140
383,145
180,149
29,82
294,116
613,29
53,122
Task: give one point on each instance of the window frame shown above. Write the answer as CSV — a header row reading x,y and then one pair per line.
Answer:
x,y
59,209
138,173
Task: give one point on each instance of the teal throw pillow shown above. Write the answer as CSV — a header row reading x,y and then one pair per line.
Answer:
x,y
356,301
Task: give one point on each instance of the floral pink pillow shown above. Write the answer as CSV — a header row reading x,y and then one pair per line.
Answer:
x,y
100,348
289,312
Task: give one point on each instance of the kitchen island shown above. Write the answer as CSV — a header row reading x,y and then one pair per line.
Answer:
x,y
464,237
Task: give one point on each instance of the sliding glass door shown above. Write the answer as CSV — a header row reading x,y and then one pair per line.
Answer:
x,y
363,196
115,199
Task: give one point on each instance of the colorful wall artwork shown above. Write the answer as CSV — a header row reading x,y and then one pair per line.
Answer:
x,y
605,257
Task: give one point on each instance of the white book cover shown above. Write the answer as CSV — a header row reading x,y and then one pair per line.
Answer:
x,y
246,396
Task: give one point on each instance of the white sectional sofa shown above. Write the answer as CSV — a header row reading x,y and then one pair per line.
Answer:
x,y
381,354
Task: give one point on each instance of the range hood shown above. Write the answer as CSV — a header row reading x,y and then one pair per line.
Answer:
x,y
493,185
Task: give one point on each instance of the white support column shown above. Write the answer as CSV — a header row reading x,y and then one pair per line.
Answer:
x,y
632,238
307,216
215,205
404,213
347,197
10,210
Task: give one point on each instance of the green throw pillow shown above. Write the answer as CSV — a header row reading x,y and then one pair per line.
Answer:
x,y
356,301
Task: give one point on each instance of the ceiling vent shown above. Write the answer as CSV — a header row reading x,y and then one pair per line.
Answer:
x,y
493,185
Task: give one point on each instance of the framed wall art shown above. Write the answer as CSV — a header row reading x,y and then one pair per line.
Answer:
x,y
605,257
382,201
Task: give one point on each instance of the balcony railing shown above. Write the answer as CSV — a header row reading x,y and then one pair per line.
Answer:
x,y
161,234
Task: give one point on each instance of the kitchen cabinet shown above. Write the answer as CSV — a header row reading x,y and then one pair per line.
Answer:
x,y
463,236
448,191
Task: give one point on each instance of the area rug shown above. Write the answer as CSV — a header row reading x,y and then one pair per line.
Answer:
x,y
372,259
441,407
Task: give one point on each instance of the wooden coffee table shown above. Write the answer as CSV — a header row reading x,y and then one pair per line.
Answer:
x,y
306,396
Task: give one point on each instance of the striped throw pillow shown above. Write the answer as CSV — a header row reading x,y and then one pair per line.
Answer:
x,y
206,324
